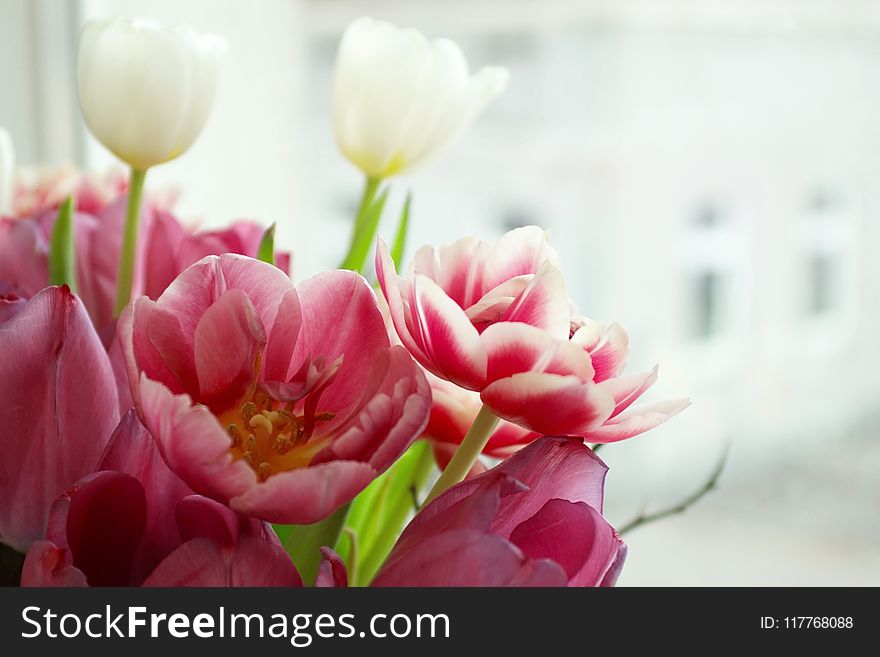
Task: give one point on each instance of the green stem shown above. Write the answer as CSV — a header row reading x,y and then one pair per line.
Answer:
x,y
354,258
466,454
304,543
129,240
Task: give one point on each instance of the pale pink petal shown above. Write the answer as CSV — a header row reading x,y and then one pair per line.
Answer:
x,y
48,565
518,252
549,404
193,443
610,354
628,388
636,420
305,495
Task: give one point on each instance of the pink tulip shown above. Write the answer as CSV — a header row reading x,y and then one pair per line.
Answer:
x,y
281,402
134,523
496,319
40,191
59,407
534,520
165,249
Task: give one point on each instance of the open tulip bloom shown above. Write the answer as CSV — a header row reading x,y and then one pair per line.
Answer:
x,y
151,441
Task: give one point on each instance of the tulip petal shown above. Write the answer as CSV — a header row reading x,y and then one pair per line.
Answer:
x,y
133,451
202,562
342,320
332,572
548,403
106,517
48,565
518,252
305,495
391,290
513,348
628,388
451,341
552,468
636,420
193,444
59,409
544,304
572,534
610,354
228,342
468,557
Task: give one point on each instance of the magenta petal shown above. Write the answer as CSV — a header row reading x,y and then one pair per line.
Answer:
x,y
133,451
10,304
468,557
572,534
451,341
636,420
332,572
200,517
48,565
105,523
552,468
24,256
229,339
610,354
305,495
549,404
59,408
202,562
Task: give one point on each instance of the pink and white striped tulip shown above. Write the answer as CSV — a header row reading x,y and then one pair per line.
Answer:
x,y
282,402
495,318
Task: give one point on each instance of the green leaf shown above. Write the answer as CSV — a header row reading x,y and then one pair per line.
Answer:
x,y
304,542
402,228
379,513
266,250
62,268
365,226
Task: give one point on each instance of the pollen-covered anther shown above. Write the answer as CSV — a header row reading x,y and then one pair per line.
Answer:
x,y
248,410
235,434
264,470
283,444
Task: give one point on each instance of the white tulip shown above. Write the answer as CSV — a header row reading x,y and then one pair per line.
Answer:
x,y
399,98
7,172
146,90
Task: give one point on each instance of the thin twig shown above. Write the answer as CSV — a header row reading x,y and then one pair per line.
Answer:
x,y
644,518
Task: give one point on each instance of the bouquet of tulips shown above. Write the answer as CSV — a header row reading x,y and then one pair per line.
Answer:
x,y
178,412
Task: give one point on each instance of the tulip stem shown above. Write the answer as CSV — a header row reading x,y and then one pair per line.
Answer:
x,y
466,454
365,224
129,240
304,543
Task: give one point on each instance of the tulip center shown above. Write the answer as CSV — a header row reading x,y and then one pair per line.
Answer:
x,y
271,437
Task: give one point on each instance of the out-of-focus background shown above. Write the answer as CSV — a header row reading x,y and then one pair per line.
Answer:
x,y
710,172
